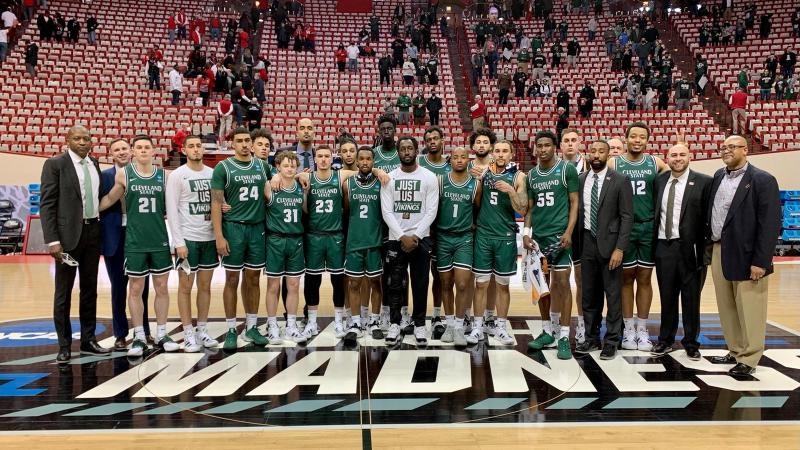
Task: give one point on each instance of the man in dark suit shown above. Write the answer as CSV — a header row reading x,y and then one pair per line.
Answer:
x,y
112,224
304,147
605,214
681,211
69,214
744,223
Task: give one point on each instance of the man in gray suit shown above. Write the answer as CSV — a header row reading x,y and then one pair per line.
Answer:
x,y
69,213
605,213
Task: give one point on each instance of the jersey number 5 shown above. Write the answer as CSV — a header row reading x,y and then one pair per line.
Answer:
x,y
493,198
545,199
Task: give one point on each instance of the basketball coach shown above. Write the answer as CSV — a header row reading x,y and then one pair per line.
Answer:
x,y
69,215
745,219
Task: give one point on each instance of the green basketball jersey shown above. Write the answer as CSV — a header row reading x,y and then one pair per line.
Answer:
x,y
243,184
437,169
285,211
145,207
365,218
549,192
643,176
325,203
496,218
456,204
386,161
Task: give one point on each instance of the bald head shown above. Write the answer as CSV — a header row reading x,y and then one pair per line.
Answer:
x,y
734,152
678,158
617,146
79,140
305,131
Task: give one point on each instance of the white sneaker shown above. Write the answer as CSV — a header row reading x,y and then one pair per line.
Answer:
x,y
191,346
393,335
294,334
384,322
629,340
448,334
421,335
168,344
580,334
274,335
311,330
459,340
406,322
207,341
501,334
643,341
475,336
338,329
467,324
490,327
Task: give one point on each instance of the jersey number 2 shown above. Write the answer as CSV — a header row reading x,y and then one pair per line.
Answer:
x,y
639,187
246,193
323,206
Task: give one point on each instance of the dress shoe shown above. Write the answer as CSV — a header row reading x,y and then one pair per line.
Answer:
x,y
121,345
661,349
693,354
741,369
93,348
587,347
609,351
727,359
63,355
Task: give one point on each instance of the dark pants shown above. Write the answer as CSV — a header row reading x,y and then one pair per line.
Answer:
x,y
176,97
87,253
503,96
434,117
675,278
115,267
396,264
598,282
385,77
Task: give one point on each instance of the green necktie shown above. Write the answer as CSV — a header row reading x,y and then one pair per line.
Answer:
x,y
595,206
670,208
88,210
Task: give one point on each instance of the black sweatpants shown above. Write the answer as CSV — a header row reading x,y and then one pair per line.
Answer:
x,y
396,264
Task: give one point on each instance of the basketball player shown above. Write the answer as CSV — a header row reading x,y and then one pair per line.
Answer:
x,y
189,211
638,259
262,147
571,145
553,203
504,192
240,181
460,195
285,208
146,241
436,163
347,153
616,146
363,263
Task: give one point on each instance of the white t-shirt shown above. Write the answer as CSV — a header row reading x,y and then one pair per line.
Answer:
x,y
409,202
4,36
189,205
8,18
352,52
175,80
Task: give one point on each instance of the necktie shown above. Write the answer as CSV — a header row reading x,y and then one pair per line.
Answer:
x,y
88,207
306,160
595,205
670,208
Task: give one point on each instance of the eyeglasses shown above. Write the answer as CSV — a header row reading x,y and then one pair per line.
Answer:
x,y
730,148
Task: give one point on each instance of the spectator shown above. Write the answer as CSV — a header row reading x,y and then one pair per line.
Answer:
x,y
3,42
153,74
796,23
403,105
765,83
419,105
649,98
700,69
563,29
545,90
299,36
556,51
91,29
520,79
352,57
534,90
175,84
283,35
60,27
549,28
203,88
374,27
633,91
434,105
788,61
254,113
215,24
573,51
478,113
504,85
244,39
180,23
433,70
178,140
398,48
363,35
340,56
765,26
609,37
562,123
31,57
388,107
524,60
491,61
586,99
592,28
422,73
771,65
384,68
663,88
644,54
562,99
743,78
539,63
739,33
477,67
225,114
412,52
195,36
9,19
683,94
311,38
172,28
780,88
408,72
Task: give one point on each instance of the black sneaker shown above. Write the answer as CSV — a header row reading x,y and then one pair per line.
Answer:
x,y
438,328
609,351
661,349
587,347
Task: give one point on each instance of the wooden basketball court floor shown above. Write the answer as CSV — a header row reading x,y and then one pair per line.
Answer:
x,y
26,287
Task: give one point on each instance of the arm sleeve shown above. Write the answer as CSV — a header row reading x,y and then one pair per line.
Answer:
x,y
173,198
48,206
626,214
431,204
387,210
768,221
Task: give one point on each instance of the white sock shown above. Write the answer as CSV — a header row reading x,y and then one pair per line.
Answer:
x,y
468,312
581,324
347,313
188,334
138,333
404,310
230,323
547,326
161,331
488,314
374,318
641,324
500,324
202,328
565,332
449,320
250,320
384,310
459,322
629,324
337,314
272,321
555,318
357,321
291,321
312,316
478,323
437,311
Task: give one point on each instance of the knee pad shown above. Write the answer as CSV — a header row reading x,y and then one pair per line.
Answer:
x,y
502,281
481,278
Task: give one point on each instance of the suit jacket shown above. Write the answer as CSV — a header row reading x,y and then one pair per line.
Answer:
x,y
61,208
694,215
293,148
615,212
752,226
110,219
